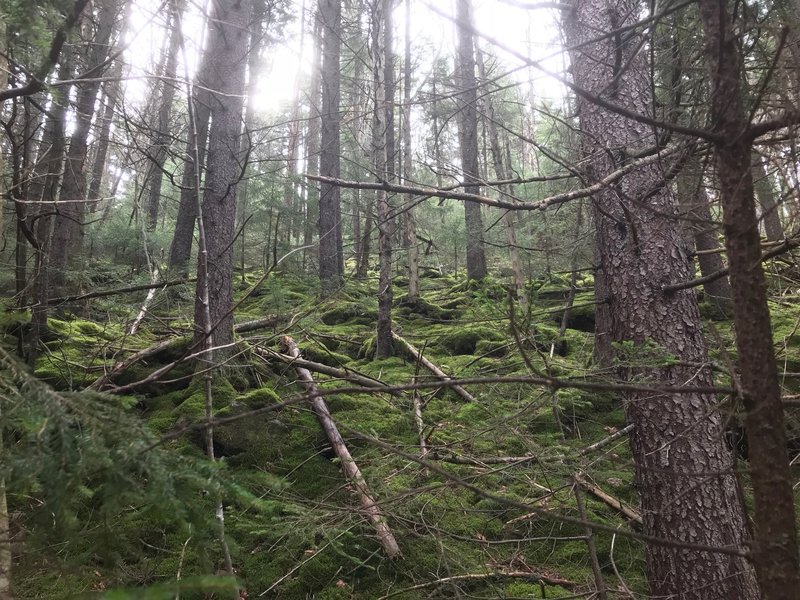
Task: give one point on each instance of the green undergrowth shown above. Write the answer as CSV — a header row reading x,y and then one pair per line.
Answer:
x,y
295,527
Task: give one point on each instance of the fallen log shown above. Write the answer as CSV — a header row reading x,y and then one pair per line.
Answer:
x,y
351,470
316,367
464,394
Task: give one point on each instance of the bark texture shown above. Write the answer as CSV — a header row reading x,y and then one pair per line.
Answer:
x,y
683,468
224,170
775,552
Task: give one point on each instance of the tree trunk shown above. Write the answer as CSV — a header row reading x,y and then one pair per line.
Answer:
x,y
764,189
164,90
207,79
331,258
468,139
506,190
112,95
702,233
68,232
682,466
312,144
410,225
223,172
775,543
382,136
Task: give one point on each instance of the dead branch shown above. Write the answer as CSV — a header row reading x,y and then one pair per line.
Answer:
x,y
316,367
351,470
465,395
614,503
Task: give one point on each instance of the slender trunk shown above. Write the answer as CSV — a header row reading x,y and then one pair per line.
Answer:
x,y
312,145
764,189
468,139
677,442
331,259
702,233
215,272
44,188
112,94
775,543
382,137
68,232
207,79
165,92
507,190
410,229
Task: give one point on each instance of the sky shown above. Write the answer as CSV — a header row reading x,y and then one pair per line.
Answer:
x,y
532,33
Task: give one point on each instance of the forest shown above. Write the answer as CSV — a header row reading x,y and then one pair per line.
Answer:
x,y
399,299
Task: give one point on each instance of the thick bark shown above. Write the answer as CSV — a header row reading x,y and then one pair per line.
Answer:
x,y
224,171
68,231
331,258
775,543
165,92
468,139
683,468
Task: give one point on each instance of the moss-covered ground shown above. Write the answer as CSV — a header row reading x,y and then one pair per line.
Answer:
x,y
294,525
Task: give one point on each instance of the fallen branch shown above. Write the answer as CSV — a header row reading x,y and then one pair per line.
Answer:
x,y
614,503
316,367
454,459
160,347
465,395
606,441
534,577
351,470
114,292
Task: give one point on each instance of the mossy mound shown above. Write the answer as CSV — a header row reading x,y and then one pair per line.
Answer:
x,y
349,312
465,340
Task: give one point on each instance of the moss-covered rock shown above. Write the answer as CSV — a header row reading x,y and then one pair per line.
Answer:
x,y
465,339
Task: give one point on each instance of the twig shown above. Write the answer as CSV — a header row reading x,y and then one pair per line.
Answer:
x,y
598,574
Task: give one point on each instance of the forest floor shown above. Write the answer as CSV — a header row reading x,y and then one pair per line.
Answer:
x,y
487,510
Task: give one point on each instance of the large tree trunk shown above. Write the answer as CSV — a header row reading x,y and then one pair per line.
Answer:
x,y
68,232
215,270
683,468
331,257
775,544
468,139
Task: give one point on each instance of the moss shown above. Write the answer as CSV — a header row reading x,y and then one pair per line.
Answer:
x,y
349,312
317,352
422,307
194,406
465,339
